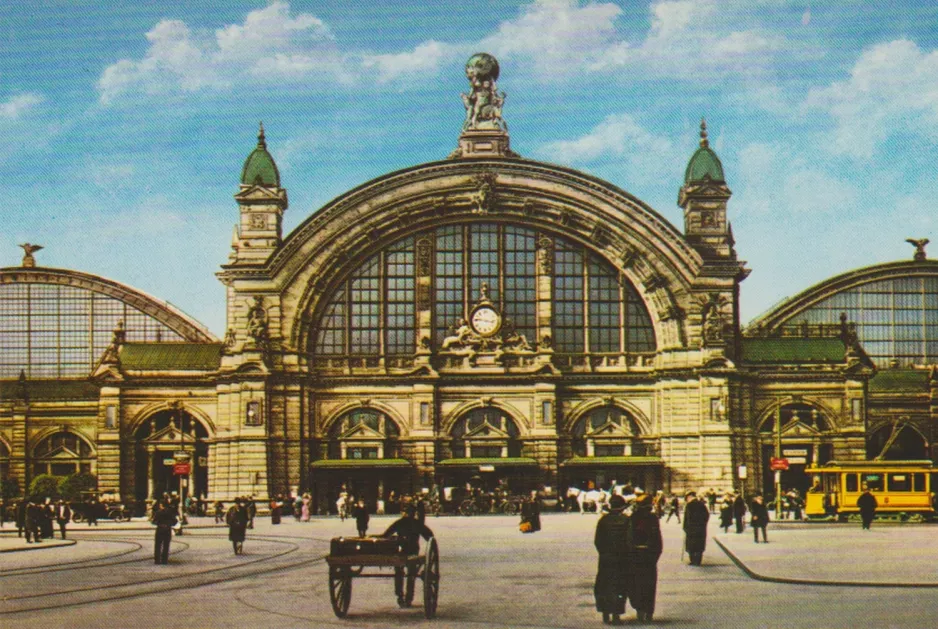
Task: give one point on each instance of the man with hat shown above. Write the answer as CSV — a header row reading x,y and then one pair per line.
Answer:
x,y
696,515
645,545
612,577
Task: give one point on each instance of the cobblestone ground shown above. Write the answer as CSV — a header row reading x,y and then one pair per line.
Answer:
x,y
492,576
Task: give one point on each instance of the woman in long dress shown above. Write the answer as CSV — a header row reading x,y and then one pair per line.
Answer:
x,y
612,577
645,547
237,520
305,508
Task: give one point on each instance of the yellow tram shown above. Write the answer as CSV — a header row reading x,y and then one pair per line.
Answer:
x,y
902,488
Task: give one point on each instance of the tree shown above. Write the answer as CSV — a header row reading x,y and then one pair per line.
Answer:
x,y
45,486
72,486
10,488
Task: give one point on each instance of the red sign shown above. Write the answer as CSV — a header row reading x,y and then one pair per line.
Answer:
x,y
182,469
778,464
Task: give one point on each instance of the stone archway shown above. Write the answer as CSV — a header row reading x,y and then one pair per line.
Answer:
x,y
155,440
806,439
898,441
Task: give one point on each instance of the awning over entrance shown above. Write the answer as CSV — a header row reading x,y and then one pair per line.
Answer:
x,y
609,461
511,461
335,464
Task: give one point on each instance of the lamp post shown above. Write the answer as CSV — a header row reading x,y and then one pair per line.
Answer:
x,y
180,457
778,455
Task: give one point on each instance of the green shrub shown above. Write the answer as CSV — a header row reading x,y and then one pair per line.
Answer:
x,y
71,486
45,486
10,488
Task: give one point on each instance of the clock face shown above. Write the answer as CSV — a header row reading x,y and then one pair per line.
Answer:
x,y
485,321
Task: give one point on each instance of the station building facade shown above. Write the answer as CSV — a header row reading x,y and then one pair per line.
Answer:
x,y
478,319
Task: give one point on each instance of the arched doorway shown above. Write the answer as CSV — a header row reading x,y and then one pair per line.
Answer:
x,y
805,441
61,454
363,459
156,440
896,441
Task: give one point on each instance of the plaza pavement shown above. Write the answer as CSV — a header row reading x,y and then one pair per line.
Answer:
x,y
492,576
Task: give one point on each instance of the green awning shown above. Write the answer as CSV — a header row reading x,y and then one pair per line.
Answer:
x,y
170,356
584,461
515,461
790,350
359,463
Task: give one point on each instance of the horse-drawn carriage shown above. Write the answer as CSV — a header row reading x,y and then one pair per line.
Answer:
x,y
349,556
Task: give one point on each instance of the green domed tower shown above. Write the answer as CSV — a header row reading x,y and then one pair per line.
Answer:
x,y
704,165
703,197
262,203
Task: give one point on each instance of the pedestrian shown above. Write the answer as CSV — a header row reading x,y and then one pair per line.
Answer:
x,y
21,517
164,517
739,510
360,513
3,512
712,500
46,521
252,511
341,504
867,504
726,513
421,509
530,514
298,508
696,516
276,509
660,499
33,520
644,547
759,518
63,515
237,520
91,511
304,507
409,530
219,512
674,508
612,576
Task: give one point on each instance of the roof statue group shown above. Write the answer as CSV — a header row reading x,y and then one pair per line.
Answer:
x,y
484,101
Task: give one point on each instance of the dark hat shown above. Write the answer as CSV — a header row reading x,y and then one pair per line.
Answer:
x,y
690,493
616,503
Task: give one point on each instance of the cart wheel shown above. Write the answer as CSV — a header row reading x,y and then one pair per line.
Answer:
x,y
510,508
77,517
431,579
117,516
340,590
466,507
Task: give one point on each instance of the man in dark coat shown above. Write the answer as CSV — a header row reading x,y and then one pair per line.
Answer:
x,y
63,515
33,521
645,546
164,517
237,520
739,510
531,512
760,517
867,504
612,577
252,512
91,511
20,517
360,513
47,519
409,531
696,515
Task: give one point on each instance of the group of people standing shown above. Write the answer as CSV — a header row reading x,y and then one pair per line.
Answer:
x,y
36,518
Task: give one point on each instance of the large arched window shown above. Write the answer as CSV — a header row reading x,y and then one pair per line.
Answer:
x,y
607,431
61,454
595,308
485,433
4,461
363,434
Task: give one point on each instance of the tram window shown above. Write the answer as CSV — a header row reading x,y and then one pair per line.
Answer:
x,y
851,482
873,481
918,482
900,482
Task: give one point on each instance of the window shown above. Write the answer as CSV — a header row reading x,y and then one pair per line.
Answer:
x,y
918,482
900,482
850,483
402,310
252,415
873,481
609,450
568,298
424,413
110,416
362,453
490,452
547,412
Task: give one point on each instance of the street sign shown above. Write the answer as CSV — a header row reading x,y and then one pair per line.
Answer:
x,y
169,461
778,464
486,468
182,469
742,472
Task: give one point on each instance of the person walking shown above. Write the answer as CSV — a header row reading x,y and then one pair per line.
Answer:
x,y
644,547
531,513
63,515
612,576
712,500
91,511
674,508
867,504
304,507
276,509
252,511
164,517
237,520
696,516
219,512
47,519
759,518
360,513
739,510
21,517
726,513
33,519
409,530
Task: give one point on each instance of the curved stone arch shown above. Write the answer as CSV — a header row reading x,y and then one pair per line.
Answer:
x,y
885,423
6,443
45,433
636,240
768,412
150,410
515,414
343,410
167,314
581,409
792,307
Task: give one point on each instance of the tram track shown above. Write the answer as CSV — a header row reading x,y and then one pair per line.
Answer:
x,y
168,583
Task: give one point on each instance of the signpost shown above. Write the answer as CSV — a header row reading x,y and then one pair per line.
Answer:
x,y
182,469
777,464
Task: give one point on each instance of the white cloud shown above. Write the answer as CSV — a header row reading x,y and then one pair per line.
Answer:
x,y
892,88
269,44
20,105
423,60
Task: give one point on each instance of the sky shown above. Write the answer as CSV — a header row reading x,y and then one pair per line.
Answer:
x,y
124,125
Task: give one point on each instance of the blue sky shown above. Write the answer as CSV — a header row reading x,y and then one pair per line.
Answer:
x,y
124,125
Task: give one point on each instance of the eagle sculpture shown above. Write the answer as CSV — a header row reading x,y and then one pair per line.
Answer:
x,y
919,248
30,249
